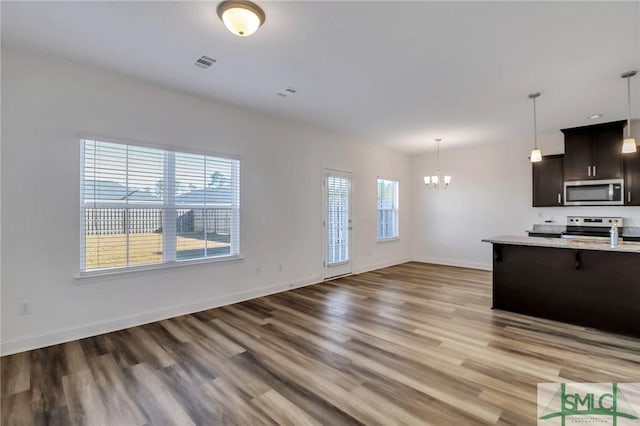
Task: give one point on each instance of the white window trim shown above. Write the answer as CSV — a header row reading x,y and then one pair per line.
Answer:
x,y
136,269
83,277
395,209
145,144
384,240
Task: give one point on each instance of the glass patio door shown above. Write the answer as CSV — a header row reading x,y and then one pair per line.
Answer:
x,y
337,223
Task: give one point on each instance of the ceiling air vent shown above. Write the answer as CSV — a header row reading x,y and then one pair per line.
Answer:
x,y
286,92
205,62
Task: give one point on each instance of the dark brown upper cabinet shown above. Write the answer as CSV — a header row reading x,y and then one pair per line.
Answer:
x,y
594,152
632,179
548,181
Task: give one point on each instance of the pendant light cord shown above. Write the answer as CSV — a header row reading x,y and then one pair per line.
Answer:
x,y
629,106
535,126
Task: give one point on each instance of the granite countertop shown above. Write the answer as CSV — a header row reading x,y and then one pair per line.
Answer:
x,y
548,229
627,231
578,243
631,231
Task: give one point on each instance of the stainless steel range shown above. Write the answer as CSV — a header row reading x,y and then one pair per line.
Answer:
x,y
591,227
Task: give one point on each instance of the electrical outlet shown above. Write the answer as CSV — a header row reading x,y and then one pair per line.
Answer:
x,y
24,308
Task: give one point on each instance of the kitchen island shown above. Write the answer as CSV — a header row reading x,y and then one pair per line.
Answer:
x,y
584,282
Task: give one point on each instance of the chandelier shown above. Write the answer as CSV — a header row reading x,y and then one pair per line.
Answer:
x,y
434,181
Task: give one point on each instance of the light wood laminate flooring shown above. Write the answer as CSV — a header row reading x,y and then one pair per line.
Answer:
x,y
409,344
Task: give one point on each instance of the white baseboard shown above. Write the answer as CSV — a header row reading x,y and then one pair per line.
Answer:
x,y
455,262
26,343
380,265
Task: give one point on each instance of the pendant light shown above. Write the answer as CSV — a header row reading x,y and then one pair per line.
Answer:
x,y
629,143
536,154
241,17
434,181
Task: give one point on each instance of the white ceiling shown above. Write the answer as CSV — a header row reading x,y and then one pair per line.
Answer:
x,y
396,73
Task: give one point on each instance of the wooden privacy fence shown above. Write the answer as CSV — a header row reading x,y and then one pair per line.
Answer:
x,y
103,221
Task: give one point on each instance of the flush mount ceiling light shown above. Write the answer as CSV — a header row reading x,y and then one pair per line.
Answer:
x,y
241,17
629,144
434,181
594,116
536,154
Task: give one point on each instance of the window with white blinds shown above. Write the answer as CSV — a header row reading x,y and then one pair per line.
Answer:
x,y
387,209
338,219
142,206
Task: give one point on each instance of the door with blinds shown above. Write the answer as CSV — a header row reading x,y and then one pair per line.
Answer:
x,y
337,223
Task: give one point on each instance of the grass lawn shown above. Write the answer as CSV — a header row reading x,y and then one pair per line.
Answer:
x,y
110,251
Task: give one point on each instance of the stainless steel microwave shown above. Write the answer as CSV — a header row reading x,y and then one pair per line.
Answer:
x,y
609,192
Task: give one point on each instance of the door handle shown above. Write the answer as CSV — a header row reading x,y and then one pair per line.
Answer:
x,y
629,197
594,171
588,170
559,198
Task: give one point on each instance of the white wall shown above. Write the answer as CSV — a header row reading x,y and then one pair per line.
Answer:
x,y
47,101
490,195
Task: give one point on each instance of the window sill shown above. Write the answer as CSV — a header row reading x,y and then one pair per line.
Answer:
x,y
85,277
384,240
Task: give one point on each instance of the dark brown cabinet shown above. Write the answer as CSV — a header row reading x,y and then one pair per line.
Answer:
x,y
593,152
548,181
632,179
